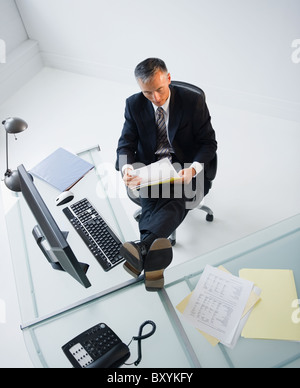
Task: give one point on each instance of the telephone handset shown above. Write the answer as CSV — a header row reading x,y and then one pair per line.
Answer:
x,y
100,347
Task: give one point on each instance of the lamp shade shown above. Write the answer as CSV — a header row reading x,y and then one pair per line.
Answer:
x,y
14,125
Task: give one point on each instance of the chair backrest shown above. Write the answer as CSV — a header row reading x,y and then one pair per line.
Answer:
x,y
211,170
191,87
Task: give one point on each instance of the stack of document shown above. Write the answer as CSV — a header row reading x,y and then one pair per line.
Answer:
x,y
220,305
260,304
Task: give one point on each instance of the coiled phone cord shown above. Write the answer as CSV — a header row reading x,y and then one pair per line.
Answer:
x,y
141,337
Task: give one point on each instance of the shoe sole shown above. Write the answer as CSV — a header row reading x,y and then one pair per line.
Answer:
x,y
158,259
131,270
133,264
154,280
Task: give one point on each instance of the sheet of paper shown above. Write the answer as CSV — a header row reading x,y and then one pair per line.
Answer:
x,y
272,316
182,306
253,299
217,303
161,171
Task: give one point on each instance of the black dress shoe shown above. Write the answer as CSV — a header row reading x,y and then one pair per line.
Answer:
x,y
159,257
134,253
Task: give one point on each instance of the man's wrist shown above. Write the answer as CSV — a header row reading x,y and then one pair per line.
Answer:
x,y
127,166
197,167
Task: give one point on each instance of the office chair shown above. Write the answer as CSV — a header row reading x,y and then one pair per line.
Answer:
x,y
210,172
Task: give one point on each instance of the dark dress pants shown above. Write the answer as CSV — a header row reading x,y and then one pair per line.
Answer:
x,y
164,207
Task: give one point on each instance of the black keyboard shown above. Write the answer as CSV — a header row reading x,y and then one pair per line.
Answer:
x,y
97,235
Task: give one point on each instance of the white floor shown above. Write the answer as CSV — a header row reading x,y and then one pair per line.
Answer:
x,y
257,183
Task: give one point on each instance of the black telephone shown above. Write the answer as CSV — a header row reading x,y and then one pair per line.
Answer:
x,y
100,347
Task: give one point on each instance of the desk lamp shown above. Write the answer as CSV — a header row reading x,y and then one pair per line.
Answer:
x,y
12,125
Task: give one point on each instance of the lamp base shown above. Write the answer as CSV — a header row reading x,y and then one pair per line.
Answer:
x,y
12,180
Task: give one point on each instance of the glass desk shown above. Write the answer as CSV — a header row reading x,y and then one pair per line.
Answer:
x,y
55,308
276,247
42,290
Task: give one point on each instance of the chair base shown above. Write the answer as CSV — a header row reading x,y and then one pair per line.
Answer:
x,y
209,215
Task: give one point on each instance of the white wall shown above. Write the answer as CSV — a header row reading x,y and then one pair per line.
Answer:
x,y
20,60
240,51
12,30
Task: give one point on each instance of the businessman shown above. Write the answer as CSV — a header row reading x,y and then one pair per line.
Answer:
x,y
162,121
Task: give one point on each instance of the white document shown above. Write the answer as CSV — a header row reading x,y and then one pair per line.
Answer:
x,y
217,303
161,171
242,323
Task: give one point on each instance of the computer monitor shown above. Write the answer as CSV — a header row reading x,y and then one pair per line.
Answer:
x,y
60,255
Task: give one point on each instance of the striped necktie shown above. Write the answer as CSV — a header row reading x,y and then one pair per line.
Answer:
x,y
163,145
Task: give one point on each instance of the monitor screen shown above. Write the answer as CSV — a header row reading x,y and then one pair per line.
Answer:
x,y
60,255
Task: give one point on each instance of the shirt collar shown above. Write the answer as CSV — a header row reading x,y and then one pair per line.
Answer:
x,y
166,104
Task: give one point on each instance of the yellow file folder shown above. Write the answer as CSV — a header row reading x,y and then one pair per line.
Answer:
x,y
272,317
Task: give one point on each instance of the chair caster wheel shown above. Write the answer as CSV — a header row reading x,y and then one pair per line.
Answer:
x,y
173,242
209,217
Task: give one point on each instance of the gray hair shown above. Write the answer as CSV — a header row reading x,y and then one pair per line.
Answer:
x,y
148,68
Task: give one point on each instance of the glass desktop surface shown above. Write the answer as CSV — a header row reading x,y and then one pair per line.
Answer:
x,y
177,344
123,311
41,289
55,308
276,247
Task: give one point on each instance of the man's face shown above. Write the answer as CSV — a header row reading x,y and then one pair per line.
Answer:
x,y
157,89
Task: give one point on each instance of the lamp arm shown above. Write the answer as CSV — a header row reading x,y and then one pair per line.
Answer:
x,y
7,169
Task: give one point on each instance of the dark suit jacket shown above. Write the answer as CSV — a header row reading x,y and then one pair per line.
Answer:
x,y
190,130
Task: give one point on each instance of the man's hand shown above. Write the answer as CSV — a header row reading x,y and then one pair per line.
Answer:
x,y
131,180
187,175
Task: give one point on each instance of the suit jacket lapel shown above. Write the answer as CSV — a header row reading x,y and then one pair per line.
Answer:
x,y
175,115
147,116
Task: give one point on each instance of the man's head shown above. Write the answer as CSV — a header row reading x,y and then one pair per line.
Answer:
x,y
154,79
